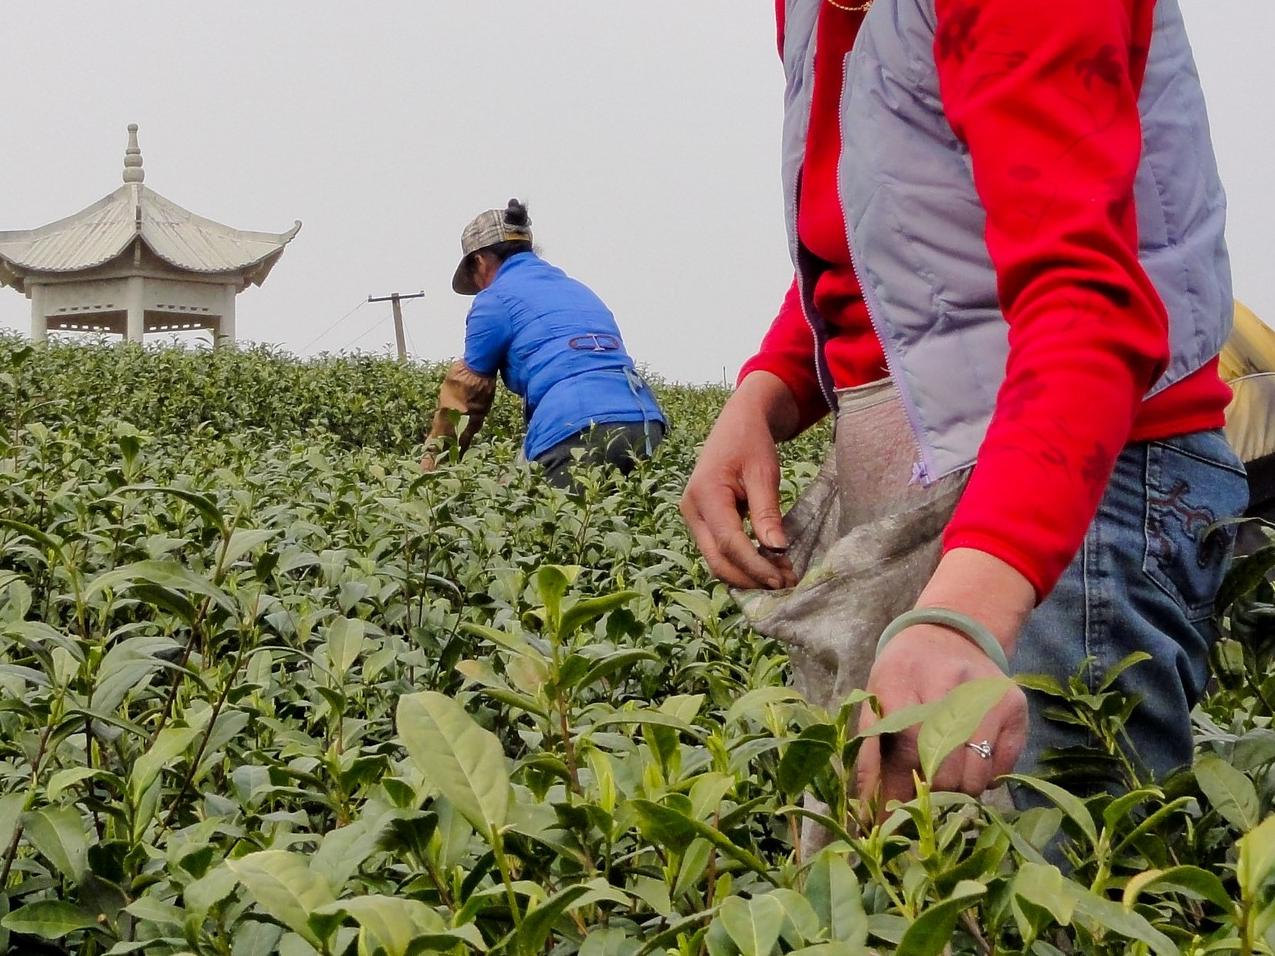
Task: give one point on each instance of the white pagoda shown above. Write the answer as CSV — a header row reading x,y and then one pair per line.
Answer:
x,y
135,262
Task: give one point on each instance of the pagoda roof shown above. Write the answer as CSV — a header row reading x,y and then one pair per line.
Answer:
x,y
105,230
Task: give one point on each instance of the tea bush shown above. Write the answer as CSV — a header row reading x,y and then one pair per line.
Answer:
x,y
266,688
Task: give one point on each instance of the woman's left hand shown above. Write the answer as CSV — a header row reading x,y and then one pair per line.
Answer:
x,y
926,662
923,664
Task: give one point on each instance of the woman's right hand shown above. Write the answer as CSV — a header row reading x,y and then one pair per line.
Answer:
x,y
738,474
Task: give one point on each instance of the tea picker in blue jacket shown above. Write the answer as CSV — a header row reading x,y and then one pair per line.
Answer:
x,y
555,344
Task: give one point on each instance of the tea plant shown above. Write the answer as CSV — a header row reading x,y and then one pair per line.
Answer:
x,y
265,688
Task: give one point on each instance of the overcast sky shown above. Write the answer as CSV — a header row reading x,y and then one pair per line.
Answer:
x,y
643,134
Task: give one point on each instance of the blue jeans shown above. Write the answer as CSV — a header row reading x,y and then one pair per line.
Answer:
x,y
618,444
1144,580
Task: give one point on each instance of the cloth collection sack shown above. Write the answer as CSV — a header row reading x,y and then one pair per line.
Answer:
x,y
864,539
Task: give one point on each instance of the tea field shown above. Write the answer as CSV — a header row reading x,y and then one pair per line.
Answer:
x,y
266,688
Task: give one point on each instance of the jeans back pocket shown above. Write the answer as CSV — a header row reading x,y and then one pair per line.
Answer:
x,y
1192,482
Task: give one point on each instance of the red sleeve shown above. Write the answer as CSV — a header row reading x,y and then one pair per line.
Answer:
x,y
1045,97
788,351
779,25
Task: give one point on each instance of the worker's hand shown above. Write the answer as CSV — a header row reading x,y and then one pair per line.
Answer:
x,y
738,474
926,662
923,664
433,450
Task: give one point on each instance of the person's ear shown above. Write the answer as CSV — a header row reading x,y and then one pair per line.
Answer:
x,y
483,268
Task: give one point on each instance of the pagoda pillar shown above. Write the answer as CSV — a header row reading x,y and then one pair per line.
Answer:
x,y
135,303
224,334
39,321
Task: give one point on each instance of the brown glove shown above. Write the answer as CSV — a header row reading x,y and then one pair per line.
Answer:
x,y
465,392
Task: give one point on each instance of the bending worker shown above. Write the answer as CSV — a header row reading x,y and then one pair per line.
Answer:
x,y
1248,365
1012,287
555,344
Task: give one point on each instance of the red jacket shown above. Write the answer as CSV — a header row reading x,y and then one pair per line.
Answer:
x,y
1076,398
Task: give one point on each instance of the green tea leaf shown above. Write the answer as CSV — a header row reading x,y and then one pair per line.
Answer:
x,y
899,720
213,887
48,919
698,603
1256,858
481,673
464,761
161,573
346,638
756,701
951,724
616,661
1231,792
1112,673
58,834
1041,897
610,942
1245,575
833,890
801,923
552,582
387,922
585,612
206,507
802,760
674,829
1191,881
651,718
707,793
695,857
753,925
171,743
12,806
246,540
530,937
125,665
344,850
654,893
1110,915
932,930
510,642
34,533
1071,805
154,910
1119,808
283,887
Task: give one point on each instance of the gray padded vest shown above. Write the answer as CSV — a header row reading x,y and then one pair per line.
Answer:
x,y
916,224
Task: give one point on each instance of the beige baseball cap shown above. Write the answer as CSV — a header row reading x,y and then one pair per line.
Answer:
x,y
486,229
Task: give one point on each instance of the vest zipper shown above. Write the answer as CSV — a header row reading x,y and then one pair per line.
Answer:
x,y
922,469
822,373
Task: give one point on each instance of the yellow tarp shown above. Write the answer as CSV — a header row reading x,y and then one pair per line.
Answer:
x,y
1250,418
1248,363
1251,347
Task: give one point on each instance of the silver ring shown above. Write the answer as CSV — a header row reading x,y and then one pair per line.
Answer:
x,y
983,748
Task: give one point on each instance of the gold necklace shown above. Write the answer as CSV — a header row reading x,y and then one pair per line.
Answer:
x,y
852,8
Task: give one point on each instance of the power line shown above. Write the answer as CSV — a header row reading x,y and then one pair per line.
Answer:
x,y
370,330
306,348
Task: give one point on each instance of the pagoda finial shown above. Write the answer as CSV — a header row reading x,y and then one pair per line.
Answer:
x,y
133,172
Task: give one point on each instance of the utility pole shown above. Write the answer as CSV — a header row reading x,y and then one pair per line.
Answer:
x,y
396,298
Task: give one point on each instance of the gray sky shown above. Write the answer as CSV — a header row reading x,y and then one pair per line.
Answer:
x,y
643,134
